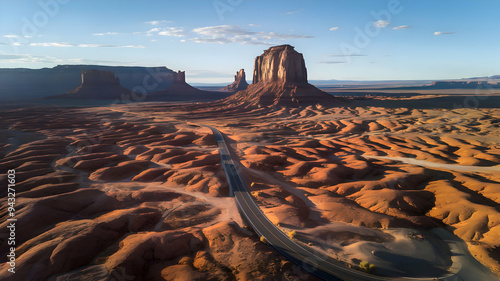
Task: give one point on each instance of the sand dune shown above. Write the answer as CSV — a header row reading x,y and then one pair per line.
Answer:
x,y
90,170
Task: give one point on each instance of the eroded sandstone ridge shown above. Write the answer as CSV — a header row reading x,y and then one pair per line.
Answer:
x,y
280,78
98,84
239,83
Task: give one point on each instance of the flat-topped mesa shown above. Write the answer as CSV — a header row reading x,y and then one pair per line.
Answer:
x,y
179,77
182,91
97,77
98,84
280,64
239,84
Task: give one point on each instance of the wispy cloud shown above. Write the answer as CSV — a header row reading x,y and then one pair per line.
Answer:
x,y
353,55
17,36
105,33
117,33
157,22
437,33
293,12
224,34
10,56
167,31
66,45
381,23
402,27
331,62
30,58
335,28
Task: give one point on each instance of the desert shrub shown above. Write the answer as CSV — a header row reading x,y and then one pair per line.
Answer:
x,y
367,267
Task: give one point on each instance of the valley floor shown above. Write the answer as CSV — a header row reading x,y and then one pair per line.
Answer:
x,y
138,189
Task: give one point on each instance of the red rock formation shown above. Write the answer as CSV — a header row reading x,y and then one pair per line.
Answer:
x,y
280,78
280,64
97,84
182,91
239,83
180,77
97,77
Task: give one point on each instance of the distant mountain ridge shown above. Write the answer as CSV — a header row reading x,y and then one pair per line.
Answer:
x,y
22,83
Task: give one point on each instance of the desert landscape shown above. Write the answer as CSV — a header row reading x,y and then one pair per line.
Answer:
x,y
137,191
231,140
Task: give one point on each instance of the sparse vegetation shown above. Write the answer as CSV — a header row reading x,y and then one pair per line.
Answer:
x,y
367,267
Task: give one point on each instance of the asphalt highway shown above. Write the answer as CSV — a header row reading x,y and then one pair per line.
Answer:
x,y
322,266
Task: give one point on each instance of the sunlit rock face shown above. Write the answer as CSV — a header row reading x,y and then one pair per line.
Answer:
x,y
280,64
280,79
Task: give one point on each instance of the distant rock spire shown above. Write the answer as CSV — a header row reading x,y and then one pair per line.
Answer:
x,y
239,83
179,76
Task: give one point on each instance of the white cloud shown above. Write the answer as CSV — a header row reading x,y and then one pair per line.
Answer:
x,y
29,58
173,31
65,45
157,22
106,33
442,33
153,30
222,30
11,36
167,31
381,23
402,27
292,12
335,28
224,34
53,44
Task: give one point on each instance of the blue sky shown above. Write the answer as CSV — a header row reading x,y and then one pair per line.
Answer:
x,y
212,39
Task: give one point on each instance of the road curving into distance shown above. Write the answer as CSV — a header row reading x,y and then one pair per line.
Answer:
x,y
464,266
324,267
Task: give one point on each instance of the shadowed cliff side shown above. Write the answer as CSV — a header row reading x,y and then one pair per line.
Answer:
x,y
98,84
182,91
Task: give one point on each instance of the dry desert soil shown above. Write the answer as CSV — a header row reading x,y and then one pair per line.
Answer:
x,y
138,191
